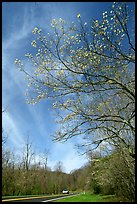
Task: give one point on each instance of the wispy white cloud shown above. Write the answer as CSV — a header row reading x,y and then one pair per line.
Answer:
x,y
13,132
20,32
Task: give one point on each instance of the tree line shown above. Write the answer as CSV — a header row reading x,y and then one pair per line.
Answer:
x,y
103,174
23,175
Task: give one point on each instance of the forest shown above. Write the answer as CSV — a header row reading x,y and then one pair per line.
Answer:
x,y
106,175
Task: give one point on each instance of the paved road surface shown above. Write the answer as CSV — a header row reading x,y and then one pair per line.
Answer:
x,y
36,198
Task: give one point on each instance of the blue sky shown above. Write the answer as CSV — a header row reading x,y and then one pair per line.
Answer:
x,y
37,121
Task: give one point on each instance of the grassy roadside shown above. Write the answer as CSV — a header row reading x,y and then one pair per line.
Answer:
x,y
90,198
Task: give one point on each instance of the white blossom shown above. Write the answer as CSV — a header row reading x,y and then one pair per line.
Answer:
x,y
78,15
34,44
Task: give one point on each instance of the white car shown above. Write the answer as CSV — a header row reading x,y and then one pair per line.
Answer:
x,y
65,191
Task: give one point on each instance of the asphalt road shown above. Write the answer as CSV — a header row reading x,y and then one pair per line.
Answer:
x,y
36,198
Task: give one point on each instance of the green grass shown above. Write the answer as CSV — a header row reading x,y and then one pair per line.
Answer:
x,y
90,198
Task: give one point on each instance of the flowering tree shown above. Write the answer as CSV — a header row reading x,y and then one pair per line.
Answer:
x,y
88,69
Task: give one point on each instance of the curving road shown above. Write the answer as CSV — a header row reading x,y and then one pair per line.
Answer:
x,y
36,198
